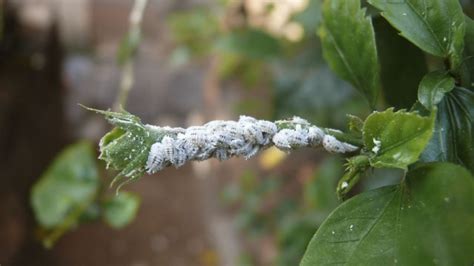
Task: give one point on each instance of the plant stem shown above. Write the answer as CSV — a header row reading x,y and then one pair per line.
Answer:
x,y
127,77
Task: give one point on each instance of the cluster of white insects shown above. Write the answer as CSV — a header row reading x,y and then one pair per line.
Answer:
x,y
246,137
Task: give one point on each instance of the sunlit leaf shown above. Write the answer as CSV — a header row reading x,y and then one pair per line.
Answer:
x,y
396,139
426,220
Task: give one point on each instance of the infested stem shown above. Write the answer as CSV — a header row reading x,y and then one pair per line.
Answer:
x,y
134,148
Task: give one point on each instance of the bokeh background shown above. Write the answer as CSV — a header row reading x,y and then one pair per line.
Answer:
x,y
196,60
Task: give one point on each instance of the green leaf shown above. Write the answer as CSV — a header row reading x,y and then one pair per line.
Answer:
x,y
403,65
467,72
435,26
251,43
396,139
126,147
70,183
426,220
433,87
65,191
120,210
348,43
453,137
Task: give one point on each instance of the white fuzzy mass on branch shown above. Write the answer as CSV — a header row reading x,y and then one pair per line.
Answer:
x,y
246,137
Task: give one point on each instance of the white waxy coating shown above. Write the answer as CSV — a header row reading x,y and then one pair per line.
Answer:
x,y
246,137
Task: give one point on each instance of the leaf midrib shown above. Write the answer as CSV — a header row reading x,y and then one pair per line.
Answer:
x,y
401,142
428,26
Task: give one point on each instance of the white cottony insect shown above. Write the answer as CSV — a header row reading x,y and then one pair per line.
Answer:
x,y
299,120
253,133
378,145
287,139
225,139
156,158
315,136
168,147
252,152
180,153
331,144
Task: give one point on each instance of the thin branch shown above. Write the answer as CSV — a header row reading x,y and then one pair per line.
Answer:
x,y
132,41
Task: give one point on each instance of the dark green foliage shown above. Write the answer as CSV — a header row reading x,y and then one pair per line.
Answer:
x,y
453,137
395,52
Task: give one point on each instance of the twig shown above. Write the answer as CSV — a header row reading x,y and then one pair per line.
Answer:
x,y
127,78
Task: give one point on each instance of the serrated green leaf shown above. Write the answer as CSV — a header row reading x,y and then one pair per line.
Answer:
x,y
435,26
453,137
396,139
69,184
415,223
126,147
120,210
403,65
348,43
433,87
